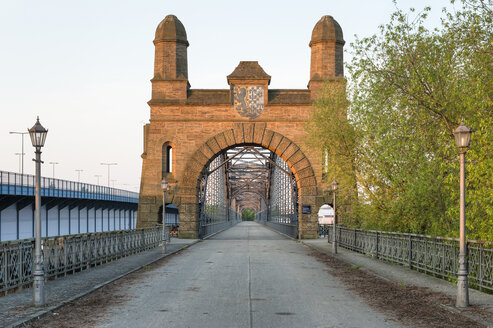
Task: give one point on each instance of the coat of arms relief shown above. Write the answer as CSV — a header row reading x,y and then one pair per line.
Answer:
x,y
248,100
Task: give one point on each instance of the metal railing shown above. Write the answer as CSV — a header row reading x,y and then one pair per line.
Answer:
x,y
23,184
285,228
437,256
286,224
70,254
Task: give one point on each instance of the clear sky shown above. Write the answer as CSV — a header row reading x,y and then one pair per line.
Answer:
x,y
84,67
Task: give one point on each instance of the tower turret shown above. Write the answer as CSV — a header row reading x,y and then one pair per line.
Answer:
x,y
170,79
327,52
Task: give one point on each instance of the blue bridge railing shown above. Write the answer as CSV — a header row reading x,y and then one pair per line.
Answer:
x,y
23,185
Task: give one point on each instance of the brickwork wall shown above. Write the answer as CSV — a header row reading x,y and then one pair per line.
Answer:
x,y
200,133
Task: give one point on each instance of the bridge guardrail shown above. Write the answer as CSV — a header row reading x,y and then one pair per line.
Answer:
x,y
23,184
437,256
71,253
285,223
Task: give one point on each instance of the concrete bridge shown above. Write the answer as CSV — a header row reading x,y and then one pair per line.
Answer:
x,y
68,207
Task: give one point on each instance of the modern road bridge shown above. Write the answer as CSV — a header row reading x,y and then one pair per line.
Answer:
x,y
68,207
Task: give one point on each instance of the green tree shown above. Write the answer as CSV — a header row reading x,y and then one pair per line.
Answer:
x,y
247,215
409,88
330,132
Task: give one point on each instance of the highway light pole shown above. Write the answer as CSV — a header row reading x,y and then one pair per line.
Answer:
x,y
22,149
21,155
38,137
108,165
54,163
462,138
78,174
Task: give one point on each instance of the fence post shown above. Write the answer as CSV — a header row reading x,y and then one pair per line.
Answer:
x,y
410,253
376,248
479,279
354,242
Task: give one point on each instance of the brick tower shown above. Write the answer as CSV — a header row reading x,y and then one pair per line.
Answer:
x,y
327,53
170,79
190,127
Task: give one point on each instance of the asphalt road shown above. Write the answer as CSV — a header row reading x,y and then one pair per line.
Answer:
x,y
247,276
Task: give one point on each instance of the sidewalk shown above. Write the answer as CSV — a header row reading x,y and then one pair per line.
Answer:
x,y
403,275
17,308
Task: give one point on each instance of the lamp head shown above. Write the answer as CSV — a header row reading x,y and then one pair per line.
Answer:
x,y
462,135
164,185
38,134
334,185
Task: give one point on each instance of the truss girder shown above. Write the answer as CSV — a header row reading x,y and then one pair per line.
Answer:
x,y
247,177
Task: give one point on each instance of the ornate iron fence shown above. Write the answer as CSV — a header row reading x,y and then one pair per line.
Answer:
x,y
71,253
437,256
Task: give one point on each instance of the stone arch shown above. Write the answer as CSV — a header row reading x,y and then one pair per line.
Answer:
x,y
251,133
244,134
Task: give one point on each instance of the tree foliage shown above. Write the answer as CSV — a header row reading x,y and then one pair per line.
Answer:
x,y
247,215
409,88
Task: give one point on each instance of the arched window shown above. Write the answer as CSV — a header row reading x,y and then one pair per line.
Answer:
x,y
169,163
167,159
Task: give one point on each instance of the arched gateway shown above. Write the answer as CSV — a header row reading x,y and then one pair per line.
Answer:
x,y
189,128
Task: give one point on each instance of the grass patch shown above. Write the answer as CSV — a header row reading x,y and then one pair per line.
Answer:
x,y
354,267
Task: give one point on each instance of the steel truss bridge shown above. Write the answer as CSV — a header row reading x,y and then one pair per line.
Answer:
x,y
248,178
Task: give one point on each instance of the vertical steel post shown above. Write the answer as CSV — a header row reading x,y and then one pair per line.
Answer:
x,y
334,239
164,221
39,276
22,171
462,284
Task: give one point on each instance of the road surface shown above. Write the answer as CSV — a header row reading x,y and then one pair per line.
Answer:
x,y
246,276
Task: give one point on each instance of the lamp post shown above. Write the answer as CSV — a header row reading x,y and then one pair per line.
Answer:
x,y
38,137
333,187
98,176
108,165
462,138
22,152
78,174
54,163
21,156
165,187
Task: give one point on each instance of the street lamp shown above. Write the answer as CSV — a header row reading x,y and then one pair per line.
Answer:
x,y
53,164
38,137
108,165
22,152
165,187
333,187
462,138
78,174
21,156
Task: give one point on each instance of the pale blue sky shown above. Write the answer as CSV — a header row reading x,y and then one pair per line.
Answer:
x,y
84,67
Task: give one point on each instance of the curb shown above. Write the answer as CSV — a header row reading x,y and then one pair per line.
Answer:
x,y
281,233
48,310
